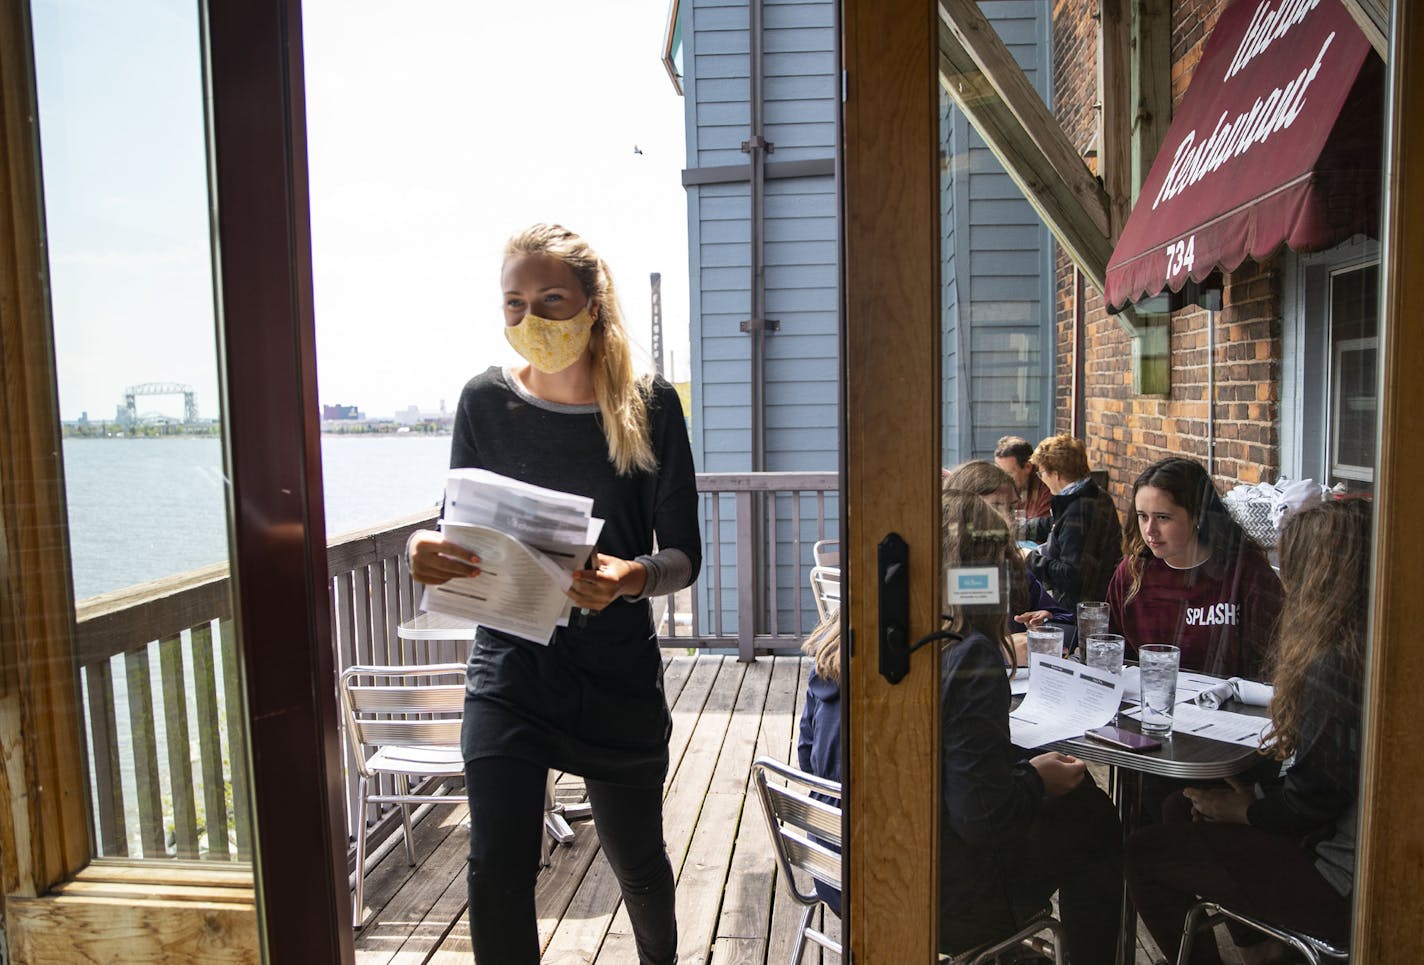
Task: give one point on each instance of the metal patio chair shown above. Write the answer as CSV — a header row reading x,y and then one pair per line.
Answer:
x,y
793,817
826,588
826,552
414,725
806,839
1208,914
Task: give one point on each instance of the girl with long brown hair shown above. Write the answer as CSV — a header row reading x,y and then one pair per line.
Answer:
x,y
1191,577
1283,849
576,418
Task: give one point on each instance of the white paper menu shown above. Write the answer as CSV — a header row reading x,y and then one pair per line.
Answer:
x,y
1065,698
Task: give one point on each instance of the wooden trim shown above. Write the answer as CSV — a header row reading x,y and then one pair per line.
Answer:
x,y
1149,84
280,587
1115,116
103,917
1391,875
44,828
1373,18
989,87
891,406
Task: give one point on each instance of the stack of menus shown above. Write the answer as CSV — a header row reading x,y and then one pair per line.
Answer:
x,y
529,541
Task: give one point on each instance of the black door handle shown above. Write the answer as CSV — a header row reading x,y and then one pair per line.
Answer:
x,y
893,570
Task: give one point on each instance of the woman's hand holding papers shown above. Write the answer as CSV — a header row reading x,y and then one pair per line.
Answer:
x,y
1060,773
435,560
609,578
1228,805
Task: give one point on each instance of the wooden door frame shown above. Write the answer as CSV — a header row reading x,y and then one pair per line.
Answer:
x,y
59,905
891,400
1391,874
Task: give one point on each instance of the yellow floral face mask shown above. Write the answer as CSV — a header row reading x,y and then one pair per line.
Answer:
x,y
548,344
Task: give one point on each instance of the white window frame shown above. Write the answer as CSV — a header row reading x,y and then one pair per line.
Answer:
x,y
1305,416
1337,468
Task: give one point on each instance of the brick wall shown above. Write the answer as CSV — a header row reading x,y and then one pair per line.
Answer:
x,y
1126,432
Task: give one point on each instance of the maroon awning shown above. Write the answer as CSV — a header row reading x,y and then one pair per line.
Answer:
x,y
1276,142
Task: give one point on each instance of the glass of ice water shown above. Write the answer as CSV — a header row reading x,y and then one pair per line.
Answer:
x,y
1046,638
1104,651
1158,663
1092,618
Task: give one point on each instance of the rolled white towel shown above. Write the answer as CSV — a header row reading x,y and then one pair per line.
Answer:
x,y
1237,688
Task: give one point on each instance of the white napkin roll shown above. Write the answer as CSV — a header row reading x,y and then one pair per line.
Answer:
x,y
1237,688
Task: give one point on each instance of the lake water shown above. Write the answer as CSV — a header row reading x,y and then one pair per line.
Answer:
x,y
140,509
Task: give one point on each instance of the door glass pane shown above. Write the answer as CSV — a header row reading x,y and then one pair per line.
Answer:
x,y
128,218
1156,437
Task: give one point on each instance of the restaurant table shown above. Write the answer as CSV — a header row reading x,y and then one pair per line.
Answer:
x,y
1181,757
437,626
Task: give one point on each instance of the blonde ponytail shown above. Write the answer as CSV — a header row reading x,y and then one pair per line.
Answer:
x,y
622,395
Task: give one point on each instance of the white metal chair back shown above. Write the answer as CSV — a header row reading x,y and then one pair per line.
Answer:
x,y
826,552
385,714
826,588
413,724
805,836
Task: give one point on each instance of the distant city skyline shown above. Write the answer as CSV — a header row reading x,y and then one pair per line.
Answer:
x,y
475,125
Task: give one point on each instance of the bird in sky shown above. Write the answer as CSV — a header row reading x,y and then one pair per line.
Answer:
x,y
637,149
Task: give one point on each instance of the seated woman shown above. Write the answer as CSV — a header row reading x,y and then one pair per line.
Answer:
x,y
1192,577
996,487
1282,851
1085,537
818,742
1014,830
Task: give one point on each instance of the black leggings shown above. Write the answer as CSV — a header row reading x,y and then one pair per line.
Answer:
x,y
506,834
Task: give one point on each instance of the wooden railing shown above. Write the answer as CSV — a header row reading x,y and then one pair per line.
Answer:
x,y
157,658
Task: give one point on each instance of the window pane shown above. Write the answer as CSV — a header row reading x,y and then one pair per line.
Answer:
x,y
126,203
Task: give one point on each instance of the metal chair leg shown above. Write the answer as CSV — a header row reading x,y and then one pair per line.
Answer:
x,y
359,908
1190,928
403,787
801,935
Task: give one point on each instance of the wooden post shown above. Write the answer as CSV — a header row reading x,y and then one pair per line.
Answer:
x,y
747,596
1150,85
891,401
1115,110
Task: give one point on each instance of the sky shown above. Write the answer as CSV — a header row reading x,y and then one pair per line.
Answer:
x,y
431,139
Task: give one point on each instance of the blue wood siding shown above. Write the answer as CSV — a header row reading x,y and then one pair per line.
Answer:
x,y
997,274
996,282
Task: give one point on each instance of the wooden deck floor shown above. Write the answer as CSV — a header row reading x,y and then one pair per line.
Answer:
x,y
730,908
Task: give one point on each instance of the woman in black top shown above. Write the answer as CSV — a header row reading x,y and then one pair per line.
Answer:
x,y
1282,849
590,701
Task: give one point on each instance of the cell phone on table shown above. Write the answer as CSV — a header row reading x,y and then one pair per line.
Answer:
x,y
1126,740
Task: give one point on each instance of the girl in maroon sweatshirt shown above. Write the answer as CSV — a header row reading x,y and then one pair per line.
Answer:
x,y
1190,576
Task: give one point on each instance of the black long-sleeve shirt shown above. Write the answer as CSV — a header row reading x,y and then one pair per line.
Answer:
x,y
1315,796
590,702
1083,548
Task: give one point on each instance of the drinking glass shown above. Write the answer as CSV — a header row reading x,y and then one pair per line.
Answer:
x,y
1046,639
1158,663
1092,618
1104,651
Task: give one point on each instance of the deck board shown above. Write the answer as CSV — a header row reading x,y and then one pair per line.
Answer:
x,y
732,910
